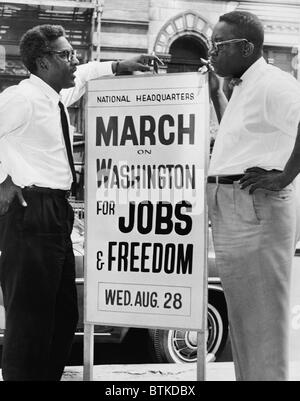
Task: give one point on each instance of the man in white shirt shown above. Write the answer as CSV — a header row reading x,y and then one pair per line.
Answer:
x,y
37,269
251,195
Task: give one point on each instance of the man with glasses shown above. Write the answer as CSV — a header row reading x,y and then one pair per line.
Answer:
x,y
251,195
37,269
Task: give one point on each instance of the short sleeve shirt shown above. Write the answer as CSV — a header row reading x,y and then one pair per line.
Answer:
x,y
260,123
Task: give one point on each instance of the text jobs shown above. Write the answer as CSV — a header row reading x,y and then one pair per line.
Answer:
x,y
139,298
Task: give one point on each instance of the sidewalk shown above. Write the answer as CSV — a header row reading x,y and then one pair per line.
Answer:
x,y
215,371
152,372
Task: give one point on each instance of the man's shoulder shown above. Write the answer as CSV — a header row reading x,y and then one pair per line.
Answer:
x,y
277,74
275,79
28,89
17,96
22,89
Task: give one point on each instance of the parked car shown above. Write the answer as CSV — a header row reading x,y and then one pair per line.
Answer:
x,y
164,345
175,345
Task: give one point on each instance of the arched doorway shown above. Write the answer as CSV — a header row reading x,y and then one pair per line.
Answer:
x,y
185,53
182,41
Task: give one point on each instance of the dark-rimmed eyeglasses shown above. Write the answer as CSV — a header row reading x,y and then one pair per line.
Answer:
x,y
218,46
67,55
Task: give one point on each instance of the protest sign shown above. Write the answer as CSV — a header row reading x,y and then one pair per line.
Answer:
x,y
146,157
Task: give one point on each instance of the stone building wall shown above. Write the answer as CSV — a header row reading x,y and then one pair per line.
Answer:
x,y
153,25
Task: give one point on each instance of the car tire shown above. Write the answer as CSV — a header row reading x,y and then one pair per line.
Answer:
x,y
181,345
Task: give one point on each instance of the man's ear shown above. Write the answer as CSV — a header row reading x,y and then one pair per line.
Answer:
x,y
248,49
42,63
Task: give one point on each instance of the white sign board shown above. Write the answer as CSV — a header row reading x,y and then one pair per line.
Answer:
x,y
146,157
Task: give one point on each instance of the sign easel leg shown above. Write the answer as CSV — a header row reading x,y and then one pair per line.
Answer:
x,y
201,356
88,352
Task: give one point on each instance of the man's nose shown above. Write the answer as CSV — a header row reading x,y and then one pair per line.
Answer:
x,y
74,60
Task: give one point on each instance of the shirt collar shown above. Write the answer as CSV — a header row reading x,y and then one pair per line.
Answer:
x,y
45,88
253,70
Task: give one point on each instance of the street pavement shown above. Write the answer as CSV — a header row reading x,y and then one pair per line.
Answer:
x,y
153,372
215,371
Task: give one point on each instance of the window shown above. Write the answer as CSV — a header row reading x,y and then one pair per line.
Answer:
x,y
282,57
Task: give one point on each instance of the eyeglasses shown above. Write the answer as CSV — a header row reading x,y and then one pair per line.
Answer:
x,y
217,46
68,55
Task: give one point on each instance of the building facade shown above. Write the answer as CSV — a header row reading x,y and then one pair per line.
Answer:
x,y
176,30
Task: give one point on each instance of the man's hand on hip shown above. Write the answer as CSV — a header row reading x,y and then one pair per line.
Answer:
x,y
256,177
8,191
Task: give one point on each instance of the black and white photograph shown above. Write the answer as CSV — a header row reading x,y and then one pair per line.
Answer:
x,y
149,193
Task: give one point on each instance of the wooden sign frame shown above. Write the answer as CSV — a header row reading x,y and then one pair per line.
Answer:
x,y
149,86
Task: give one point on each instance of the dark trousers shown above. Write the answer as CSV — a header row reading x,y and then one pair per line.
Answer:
x,y
37,274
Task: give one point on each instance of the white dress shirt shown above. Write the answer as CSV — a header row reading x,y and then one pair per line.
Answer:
x,y
259,125
32,148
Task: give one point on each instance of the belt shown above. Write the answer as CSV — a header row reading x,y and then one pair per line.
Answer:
x,y
224,179
61,193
